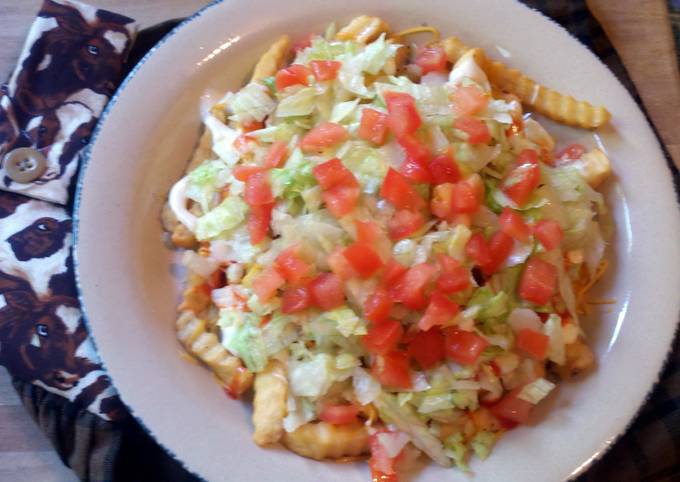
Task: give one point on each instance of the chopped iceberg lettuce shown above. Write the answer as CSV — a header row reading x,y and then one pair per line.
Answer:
x,y
251,103
227,215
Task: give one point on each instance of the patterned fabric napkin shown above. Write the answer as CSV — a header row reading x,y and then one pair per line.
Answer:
x,y
73,60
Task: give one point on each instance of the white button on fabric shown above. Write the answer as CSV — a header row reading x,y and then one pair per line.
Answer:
x,y
24,165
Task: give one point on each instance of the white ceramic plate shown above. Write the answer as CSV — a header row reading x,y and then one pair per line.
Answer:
x,y
129,292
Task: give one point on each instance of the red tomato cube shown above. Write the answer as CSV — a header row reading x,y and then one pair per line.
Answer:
x,y
439,311
476,130
276,156
327,291
373,126
296,299
431,59
339,414
404,223
549,233
532,343
258,222
444,169
538,281
292,75
452,276
383,337
258,191
363,259
393,370
513,225
403,115
521,181
325,69
469,100
410,288
266,284
397,190
291,266
427,347
377,306
464,347
322,136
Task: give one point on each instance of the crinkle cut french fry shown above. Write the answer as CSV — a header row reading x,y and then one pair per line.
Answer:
x,y
326,441
270,403
272,60
192,334
363,29
554,105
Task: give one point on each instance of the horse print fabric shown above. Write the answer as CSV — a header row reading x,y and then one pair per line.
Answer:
x,y
70,66
43,338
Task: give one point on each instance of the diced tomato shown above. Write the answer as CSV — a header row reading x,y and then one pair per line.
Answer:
x,y
397,190
549,233
469,100
410,288
523,178
302,44
339,264
532,343
476,130
512,409
431,59
403,116
477,249
327,291
383,337
363,259
242,173
291,266
513,225
500,246
404,223
393,370
258,222
572,152
439,311
341,200
325,69
377,306
415,150
367,231
252,126
266,284
466,196
464,347
296,299
441,203
322,136
292,75
415,172
339,414
538,281
393,272
373,126
444,169
258,191
276,155
452,277
427,347
333,173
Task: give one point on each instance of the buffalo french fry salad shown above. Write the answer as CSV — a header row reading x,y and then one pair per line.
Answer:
x,y
387,249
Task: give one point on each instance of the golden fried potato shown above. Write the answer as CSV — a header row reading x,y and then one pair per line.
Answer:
x,y
195,298
326,441
595,167
579,358
363,29
554,105
270,403
272,60
206,347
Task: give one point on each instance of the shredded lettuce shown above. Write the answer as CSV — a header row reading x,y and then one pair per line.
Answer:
x,y
205,181
242,337
365,386
553,329
367,164
291,181
251,103
343,110
227,215
311,378
347,322
536,391
408,422
492,306
299,103
300,411
482,443
457,451
459,238
370,60
280,132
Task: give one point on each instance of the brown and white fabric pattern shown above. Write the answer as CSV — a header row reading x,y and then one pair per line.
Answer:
x,y
43,338
69,67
